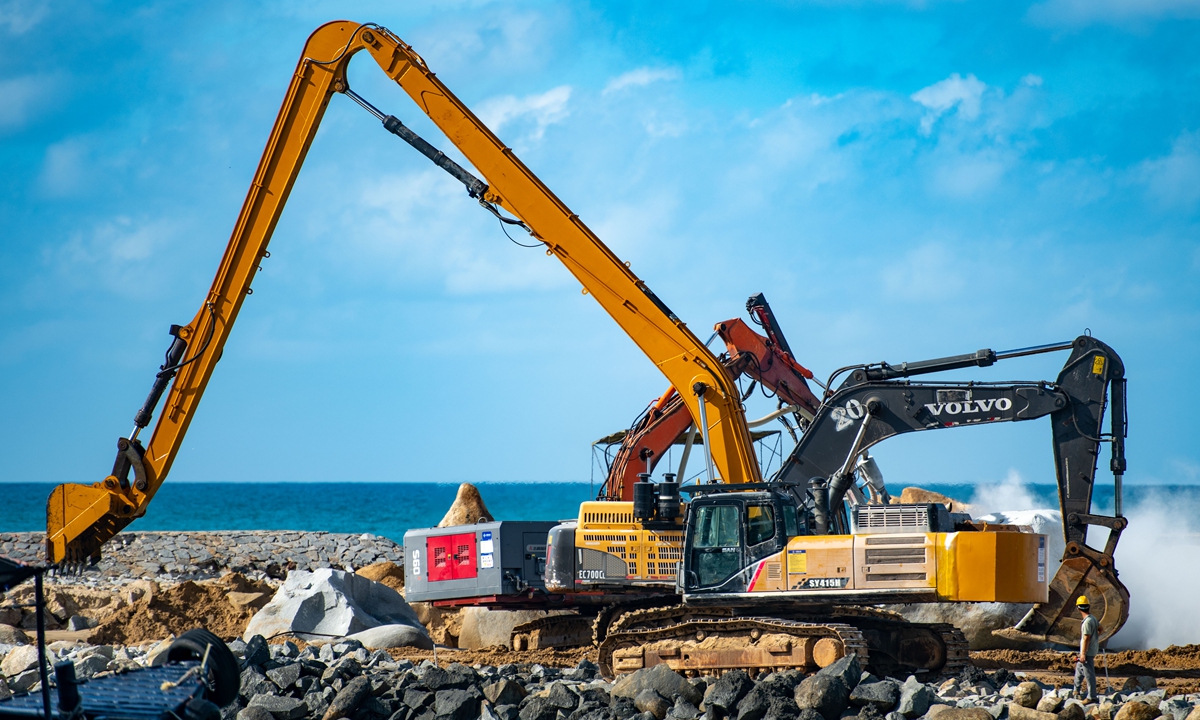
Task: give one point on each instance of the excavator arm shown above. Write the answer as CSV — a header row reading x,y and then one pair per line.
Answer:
x,y
878,402
766,360
80,518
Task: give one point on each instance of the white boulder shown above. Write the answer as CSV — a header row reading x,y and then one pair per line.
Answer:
x,y
314,605
393,636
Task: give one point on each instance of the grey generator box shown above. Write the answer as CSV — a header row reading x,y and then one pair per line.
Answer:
x,y
475,561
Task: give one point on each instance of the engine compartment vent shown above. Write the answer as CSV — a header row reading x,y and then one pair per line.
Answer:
x,y
906,518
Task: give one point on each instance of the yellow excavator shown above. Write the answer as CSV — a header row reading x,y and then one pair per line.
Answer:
x,y
81,518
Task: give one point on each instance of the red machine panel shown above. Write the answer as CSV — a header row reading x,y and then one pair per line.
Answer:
x,y
451,557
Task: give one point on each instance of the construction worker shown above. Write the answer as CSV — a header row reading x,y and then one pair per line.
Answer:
x,y
1089,643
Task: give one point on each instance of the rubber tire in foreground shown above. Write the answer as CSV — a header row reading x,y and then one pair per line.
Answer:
x,y
224,675
201,709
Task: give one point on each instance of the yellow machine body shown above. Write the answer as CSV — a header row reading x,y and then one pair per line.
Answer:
x,y
986,566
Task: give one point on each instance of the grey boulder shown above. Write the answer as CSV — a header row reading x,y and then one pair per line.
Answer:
x,y
661,679
281,707
915,698
254,712
353,694
455,704
649,701
825,694
728,691
846,668
504,692
883,695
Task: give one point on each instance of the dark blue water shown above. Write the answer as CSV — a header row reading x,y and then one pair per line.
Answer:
x,y
389,509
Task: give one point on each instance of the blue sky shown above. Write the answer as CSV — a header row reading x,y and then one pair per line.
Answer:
x,y
902,181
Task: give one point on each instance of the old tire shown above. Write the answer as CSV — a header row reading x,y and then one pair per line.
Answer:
x,y
201,709
224,677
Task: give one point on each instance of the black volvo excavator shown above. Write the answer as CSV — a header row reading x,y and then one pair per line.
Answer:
x,y
783,573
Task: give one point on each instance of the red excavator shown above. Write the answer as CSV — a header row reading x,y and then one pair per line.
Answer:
x,y
766,360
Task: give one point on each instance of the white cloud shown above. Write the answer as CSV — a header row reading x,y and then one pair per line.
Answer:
x,y
543,110
1085,12
22,97
946,95
20,16
64,167
1174,180
640,77
420,226
969,174
113,253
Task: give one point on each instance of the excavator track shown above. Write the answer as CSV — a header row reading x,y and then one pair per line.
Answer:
x,y
651,618
563,631
611,614
554,631
714,644
703,640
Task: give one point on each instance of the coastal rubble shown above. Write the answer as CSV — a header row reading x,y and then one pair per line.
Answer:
x,y
178,556
290,681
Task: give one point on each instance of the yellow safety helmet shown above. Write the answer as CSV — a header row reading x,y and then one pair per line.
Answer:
x,y
1082,600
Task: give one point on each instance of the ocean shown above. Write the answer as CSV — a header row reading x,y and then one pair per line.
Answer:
x,y
389,509
1158,557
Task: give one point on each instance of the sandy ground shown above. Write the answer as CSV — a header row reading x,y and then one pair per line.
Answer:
x,y
1176,668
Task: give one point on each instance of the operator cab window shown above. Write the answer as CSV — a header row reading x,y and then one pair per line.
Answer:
x,y
716,555
791,521
760,524
717,527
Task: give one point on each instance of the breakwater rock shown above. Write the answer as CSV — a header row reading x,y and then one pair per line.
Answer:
x,y
209,555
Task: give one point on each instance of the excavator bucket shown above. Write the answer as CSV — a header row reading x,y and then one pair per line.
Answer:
x,y
1057,620
80,518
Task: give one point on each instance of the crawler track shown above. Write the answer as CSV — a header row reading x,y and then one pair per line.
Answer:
x,y
698,640
713,644
553,632
611,614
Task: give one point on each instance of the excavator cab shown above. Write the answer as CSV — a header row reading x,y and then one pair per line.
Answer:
x,y
729,532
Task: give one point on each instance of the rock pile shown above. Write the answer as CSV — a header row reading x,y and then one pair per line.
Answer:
x,y
346,680
208,555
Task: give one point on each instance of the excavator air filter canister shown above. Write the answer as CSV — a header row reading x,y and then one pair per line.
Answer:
x,y
643,498
668,499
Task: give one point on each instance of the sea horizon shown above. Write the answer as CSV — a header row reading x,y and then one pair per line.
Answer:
x,y
389,509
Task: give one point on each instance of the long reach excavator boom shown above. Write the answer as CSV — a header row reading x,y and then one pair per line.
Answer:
x,y
80,518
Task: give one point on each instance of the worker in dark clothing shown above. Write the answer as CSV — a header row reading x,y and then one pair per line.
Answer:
x,y
1089,643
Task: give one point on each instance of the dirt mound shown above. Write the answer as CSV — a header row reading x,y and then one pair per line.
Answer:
x,y
174,610
467,509
388,573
